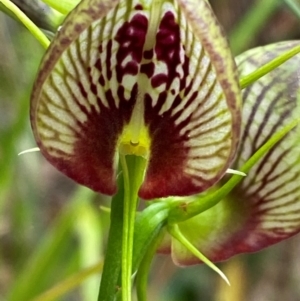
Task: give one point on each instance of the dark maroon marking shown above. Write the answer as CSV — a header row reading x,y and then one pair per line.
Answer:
x,y
185,69
98,65
108,60
168,155
158,80
148,69
131,68
101,80
131,37
82,90
138,7
93,88
92,161
167,47
148,54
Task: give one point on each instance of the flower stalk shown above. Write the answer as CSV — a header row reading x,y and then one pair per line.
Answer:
x,y
36,32
112,263
133,168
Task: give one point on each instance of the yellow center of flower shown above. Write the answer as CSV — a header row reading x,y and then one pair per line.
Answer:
x,y
135,141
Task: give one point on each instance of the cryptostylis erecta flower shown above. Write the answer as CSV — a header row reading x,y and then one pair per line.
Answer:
x,y
265,207
148,78
156,79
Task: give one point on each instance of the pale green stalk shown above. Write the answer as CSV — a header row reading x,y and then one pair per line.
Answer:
x,y
36,32
127,216
144,268
133,168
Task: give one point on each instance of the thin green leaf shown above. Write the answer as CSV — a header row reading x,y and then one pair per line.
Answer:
x,y
251,24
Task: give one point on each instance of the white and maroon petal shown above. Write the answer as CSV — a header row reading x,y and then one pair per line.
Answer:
x,y
138,65
265,207
272,187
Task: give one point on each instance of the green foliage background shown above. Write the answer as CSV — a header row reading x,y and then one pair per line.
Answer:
x,y
50,228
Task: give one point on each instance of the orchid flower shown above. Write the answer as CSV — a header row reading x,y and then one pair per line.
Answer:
x,y
264,208
153,79
140,99
148,78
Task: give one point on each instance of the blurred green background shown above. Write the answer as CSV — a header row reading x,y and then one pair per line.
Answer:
x,y
50,228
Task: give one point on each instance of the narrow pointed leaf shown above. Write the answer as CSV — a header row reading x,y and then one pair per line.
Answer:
x,y
265,208
139,77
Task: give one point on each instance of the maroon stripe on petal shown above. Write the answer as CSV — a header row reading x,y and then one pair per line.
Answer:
x,y
138,64
85,101
270,191
265,207
189,121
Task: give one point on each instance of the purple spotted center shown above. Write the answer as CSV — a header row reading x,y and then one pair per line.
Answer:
x,y
94,151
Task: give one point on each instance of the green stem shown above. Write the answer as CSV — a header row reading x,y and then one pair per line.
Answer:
x,y
144,269
148,225
127,217
185,211
112,263
36,32
133,170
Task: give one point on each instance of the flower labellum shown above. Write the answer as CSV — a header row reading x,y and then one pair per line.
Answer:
x,y
265,207
149,78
